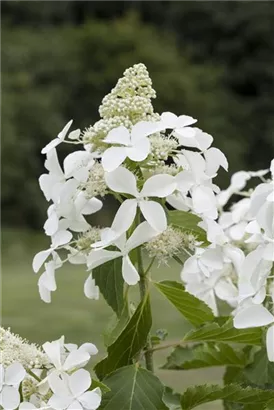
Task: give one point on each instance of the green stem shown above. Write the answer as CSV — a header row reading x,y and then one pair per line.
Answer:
x,y
167,345
143,286
34,375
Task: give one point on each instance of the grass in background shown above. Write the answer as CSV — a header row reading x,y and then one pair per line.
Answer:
x,y
73,315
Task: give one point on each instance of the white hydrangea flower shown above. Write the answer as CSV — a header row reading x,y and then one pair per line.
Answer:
x,y
60,138
64,361
10,379
135,145
141,234
123,181
71,392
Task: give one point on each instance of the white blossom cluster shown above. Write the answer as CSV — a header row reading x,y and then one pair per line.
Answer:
x,y
133,169
250,225
56,381
237,266
151,164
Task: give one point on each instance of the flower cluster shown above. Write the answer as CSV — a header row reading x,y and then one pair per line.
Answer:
x,y
252,223
150,164
56,380
237,266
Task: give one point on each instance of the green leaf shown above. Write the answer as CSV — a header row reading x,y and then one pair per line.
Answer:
x,y
116,326
213,332
111,283
193,309
133,388
171,399
187,222
195,396
233,375
96,383
261,371
130,341
205,355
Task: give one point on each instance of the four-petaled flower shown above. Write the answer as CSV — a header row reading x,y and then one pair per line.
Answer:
x,y
159,186
10,379
135,144
71,392
142,234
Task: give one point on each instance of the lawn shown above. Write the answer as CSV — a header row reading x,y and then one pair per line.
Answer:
x,y
71,314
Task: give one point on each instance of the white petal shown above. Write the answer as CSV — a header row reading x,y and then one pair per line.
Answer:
x,y
186,136
177,201
169,119
185,181
129,272
59,403
75,405
14,374
74,135
215,233
91,400
51,224
53,351
2,374
60,138
49,276
204,200
59,386
143,233
143,129
27,406
92,205
79,382
119,135
39,259
121,242
44,293
140,150
61,238
122,180
113,157
270,343
225,290
184,121
239,180
101,256
197,164
269,252
154,214
52,144
90,348
76,358
53,166
62,134
214,159
203,139
212,258
10,398
77,165
46,182
159,185
237,231
91,291
253,316
124,216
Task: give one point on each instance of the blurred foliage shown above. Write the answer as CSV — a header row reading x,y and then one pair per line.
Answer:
x,y
214,61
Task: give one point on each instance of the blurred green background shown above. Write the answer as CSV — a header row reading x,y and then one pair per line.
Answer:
x,y
211,60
